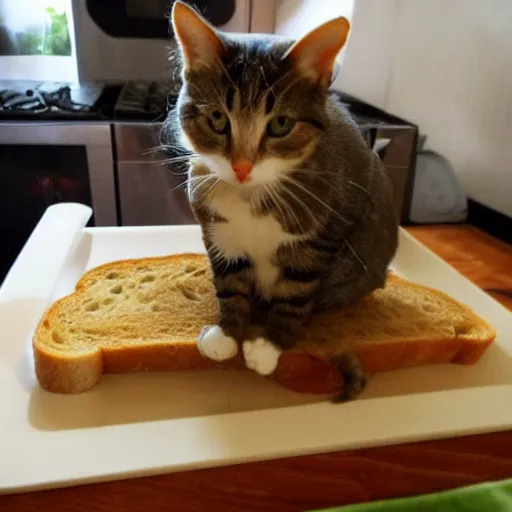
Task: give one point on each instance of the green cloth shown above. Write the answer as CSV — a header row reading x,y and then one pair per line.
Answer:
x,y
488,497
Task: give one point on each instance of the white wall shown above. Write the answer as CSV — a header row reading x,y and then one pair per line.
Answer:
x,y
447,66
294,18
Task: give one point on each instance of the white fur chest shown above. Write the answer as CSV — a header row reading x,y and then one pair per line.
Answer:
x,y
246,235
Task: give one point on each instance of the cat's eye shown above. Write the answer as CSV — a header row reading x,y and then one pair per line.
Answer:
x,y
218,122
280,126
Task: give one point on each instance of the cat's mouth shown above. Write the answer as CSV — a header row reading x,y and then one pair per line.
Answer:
x,y
247,192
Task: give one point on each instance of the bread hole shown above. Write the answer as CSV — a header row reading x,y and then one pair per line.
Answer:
x,y
460,330
46,324
93,306
116,289
108,301
188,293
112,275
57,338
192,269
72,330
148,279
428,306
156,307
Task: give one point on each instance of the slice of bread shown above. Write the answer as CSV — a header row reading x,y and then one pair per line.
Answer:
x,y
146,314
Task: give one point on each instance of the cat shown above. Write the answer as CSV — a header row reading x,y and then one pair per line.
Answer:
x,y
296,212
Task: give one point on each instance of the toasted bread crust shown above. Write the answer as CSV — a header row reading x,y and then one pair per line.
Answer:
x,y
63,373
306,369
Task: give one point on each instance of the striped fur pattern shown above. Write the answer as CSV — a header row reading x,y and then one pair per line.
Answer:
x,y
315,226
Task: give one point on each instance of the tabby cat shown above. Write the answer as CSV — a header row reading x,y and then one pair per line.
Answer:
x,y
296,211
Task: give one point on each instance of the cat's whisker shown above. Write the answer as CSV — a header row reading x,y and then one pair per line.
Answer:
x,y
301,203
177,158
199,181
153,150
201,96
282,79
202,177
207,197
289,85
183,184
281,205
225,71
163,146
194,182
270,88
323,178
289,208
178,186
210,193
316,198
178,174
360,187
174,160
352,250
213,88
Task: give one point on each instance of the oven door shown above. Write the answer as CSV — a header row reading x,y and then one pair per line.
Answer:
x,y
46,163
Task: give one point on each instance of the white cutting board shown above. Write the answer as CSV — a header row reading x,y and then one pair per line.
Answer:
x,y
132,425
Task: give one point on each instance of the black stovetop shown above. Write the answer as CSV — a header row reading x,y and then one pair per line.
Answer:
x,y
43,101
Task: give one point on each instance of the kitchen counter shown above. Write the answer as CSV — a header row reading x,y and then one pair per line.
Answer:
x,y
312,482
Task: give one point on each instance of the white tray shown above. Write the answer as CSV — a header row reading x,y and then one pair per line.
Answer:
x,y
133,425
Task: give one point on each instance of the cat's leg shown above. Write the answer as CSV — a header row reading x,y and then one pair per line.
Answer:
x,y
213,343
261,355
291,309
232,284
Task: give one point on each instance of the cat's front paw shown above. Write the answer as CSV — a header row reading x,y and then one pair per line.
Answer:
x,y
214,344
261,356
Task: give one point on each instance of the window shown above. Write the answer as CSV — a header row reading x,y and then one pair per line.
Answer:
x,y
36,40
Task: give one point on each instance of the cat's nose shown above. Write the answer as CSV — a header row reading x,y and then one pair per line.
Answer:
x,y
242,168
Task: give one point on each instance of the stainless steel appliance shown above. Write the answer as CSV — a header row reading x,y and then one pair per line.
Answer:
x,y
43,163
119,40
151,191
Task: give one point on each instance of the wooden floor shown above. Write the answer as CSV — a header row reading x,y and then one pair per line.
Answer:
x,y
321,481
483,259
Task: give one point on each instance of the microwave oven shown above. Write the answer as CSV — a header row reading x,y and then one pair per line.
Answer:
x,y
121,40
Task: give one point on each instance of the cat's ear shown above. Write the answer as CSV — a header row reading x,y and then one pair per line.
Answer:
x,y
199,42
314,55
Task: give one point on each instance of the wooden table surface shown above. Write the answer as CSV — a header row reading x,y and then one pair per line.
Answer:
x,y
313,482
